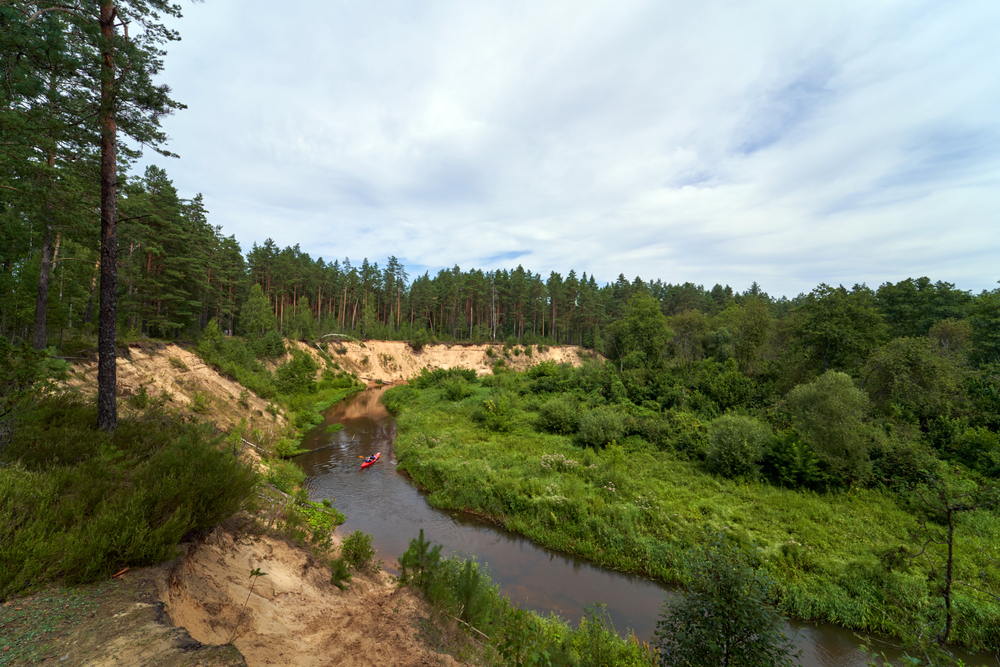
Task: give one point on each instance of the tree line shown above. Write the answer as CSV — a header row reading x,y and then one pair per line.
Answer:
x,y
89,247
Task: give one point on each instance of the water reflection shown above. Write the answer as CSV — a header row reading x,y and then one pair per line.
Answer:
x,y
382,502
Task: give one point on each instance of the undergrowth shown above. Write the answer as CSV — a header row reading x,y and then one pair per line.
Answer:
x,y
77,503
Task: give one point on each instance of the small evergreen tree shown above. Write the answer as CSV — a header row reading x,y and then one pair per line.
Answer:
x,y
722,619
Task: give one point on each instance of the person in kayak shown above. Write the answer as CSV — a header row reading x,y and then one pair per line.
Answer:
x,y
370,458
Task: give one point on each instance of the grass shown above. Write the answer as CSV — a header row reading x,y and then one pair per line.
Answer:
x,y
639,510
29,628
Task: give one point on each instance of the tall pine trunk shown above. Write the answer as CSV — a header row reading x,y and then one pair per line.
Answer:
x,y
107,408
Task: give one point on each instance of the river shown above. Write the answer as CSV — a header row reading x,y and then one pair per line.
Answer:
x,y
382,502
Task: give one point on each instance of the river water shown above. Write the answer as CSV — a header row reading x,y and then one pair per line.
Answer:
x,y
382,502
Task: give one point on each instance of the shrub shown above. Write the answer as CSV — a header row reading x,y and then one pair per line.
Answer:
x,y
600,427
270,346
81,503
559,415
284,475
419,339
456,389
978,448
496,413
287,448
419,563
792,463
357,550
436,378
297,375
736,445
201,403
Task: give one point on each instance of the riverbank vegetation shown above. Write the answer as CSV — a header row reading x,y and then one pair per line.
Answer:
x,y
863,473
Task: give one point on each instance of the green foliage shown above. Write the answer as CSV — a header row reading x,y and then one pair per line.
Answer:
x,y
736,445
357,550
456,389
302,324
977,448
640,338
340,572
419,339
723,618
596,643
396,398
419,563
840,328
201,403
25,374
210,339
178,364
792,463
271,345
297,375
256,316
284,475
496,412
286,448
81,503
828,416
600,427
907,379
559,415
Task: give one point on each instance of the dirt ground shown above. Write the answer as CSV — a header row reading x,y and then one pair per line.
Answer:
x,y
294,616
395,361
170,372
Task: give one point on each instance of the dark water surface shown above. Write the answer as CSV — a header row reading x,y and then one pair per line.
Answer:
x,y
382,502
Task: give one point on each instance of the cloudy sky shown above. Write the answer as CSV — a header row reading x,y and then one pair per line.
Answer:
x,y
786,142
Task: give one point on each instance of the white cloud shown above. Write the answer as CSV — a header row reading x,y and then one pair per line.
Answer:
x,y
788,143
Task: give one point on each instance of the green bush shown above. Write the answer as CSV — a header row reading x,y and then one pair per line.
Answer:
x,y
978,448
600,427
357,550
736,445
286,448
496,413
201,403
792,463
559,415
297,375
436,378
284,475
269,346
456,389
79,503
419,339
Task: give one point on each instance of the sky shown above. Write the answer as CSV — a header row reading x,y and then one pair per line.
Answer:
x,y
785,142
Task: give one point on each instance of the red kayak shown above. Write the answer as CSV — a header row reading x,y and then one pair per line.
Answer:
x,y
378,455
